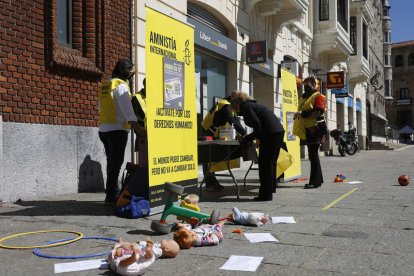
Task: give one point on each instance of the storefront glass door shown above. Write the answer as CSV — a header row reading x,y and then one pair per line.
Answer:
x,y
211,82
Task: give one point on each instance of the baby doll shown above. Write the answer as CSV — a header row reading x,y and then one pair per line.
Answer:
x,y
244,218
190,202
192,199
131,258
202,235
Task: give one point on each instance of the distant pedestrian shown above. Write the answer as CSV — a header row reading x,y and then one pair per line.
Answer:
x,y
269,133
310,127
116,118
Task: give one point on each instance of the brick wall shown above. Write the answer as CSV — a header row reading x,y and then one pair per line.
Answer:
x,y
44,83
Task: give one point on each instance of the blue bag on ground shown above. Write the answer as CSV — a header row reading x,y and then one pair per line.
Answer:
x,y
138,207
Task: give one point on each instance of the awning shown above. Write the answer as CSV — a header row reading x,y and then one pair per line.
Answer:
x,y
406,130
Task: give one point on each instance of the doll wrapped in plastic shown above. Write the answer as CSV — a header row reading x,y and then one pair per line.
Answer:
x,y
130,259
245,218
201,235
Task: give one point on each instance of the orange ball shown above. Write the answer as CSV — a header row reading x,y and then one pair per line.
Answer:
x,y
404,180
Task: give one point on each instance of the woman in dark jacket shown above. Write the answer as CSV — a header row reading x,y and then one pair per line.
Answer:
x,y
269,133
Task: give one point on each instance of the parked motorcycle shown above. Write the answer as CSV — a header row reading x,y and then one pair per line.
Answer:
x,y
346,141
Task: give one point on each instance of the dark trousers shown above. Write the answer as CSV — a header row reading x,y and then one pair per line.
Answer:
x,y
268,153
209,178
115,144
316,177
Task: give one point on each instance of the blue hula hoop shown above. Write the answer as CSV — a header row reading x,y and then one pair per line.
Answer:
x,y
37,252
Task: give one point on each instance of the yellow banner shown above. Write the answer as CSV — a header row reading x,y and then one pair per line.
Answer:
x,y
290,107
171,102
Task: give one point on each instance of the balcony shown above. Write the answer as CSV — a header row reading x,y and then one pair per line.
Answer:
x,y
281,11
331,35
361,16
405,101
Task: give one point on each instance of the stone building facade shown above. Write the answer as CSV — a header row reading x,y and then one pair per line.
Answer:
x,y
400,107
376,88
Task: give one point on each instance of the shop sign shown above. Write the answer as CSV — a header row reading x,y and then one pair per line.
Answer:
x,y
256,52
212,40
335,80
266,68
341,93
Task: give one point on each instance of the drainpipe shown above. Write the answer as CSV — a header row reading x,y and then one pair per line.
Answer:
x,y
131,34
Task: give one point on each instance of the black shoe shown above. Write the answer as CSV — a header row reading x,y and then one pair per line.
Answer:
x,y
258,198
310,186
213,188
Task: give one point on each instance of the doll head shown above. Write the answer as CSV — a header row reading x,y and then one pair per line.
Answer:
x,y
185,238
192,199
170,248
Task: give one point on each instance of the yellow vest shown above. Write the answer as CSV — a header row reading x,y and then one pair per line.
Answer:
x,y
208,120
107,104
143,103
299,125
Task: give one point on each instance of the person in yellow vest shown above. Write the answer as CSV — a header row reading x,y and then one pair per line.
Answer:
x,y
310,127
139,102
116,118
219,115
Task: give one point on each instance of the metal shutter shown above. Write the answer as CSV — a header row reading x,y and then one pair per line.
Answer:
x,y
206,18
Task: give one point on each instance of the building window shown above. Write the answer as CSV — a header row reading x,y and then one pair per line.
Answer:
x,y
387,59
388,88
385,37
323,10
342,10
365,41
386,12
353,33
399,61
404,93
411,59
64,18
74,34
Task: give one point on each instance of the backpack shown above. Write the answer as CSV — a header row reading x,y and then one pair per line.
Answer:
x,y
133,199
138,207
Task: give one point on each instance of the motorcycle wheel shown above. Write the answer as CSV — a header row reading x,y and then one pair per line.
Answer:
x,y
352,149
341,150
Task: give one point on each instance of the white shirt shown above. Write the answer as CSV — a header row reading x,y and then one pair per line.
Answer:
x,y
124,109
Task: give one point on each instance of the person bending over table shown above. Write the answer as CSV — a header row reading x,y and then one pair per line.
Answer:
x,y
219,115
268,132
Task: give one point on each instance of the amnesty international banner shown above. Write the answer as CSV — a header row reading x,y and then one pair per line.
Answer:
x,y
171,104
290,107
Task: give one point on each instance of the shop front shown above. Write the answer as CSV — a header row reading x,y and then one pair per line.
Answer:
x,y
214,54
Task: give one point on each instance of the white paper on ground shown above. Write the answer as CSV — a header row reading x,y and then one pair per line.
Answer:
x,y
257,214
354,182
283,220
81,265
242,263
260,237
